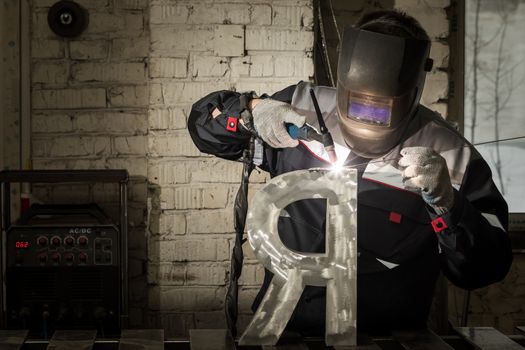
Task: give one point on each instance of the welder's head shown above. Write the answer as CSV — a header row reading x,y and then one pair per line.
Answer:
x,y
382,65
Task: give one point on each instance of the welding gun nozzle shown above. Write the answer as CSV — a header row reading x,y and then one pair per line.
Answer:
x,y
328,144
332,156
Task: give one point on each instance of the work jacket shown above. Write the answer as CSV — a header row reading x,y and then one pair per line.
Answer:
x,y
402,243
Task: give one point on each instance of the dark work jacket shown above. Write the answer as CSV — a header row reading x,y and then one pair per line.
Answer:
x,y
399,252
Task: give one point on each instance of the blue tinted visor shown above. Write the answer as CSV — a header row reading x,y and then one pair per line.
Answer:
x,y
369,109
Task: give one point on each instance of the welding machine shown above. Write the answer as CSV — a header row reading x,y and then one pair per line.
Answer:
x,y
65,265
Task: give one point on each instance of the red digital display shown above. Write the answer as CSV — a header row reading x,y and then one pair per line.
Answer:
x,y
22,244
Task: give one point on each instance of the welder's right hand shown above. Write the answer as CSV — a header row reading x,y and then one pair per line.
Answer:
x,y
269,118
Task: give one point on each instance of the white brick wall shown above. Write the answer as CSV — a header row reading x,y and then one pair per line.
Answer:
x,y
197,49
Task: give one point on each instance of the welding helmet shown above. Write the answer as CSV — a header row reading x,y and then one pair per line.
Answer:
x,y
380,78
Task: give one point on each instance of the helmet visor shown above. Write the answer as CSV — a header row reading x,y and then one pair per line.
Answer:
x,y
369,109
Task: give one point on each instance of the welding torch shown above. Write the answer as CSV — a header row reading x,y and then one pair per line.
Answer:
x,y
308,133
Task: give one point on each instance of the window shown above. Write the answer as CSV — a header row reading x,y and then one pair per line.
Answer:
x,y
495,91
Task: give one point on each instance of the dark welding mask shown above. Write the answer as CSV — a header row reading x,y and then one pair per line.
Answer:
x,y
379,83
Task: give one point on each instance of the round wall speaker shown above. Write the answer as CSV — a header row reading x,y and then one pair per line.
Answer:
x,y
67,19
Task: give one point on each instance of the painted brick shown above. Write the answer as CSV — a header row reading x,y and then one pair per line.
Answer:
x,y
136,166
261,38
223,171
436,88
112,72
111,122
42,48
167,171
70,146
209,66
261,15
252,275
249,255
168,14
155,95
77,163
219,14
206,170
240,66
206,197
188,92
136,145
131,4
171,223
39,27
441,108
128,24
128,96
167,119
223,40
180,39
229,41
166,274
183,249
50,72
95,4
88,49
185,299
206,275
261,66
168,68
69,98
434,20
176,144
440,53
292,16
210,221
258,176
44,123
294,66
136,48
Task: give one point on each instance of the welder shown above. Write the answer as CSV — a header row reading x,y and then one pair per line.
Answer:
x,y
427,202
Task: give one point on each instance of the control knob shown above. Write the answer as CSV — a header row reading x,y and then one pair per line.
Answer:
x,y
69,241
55,257
42,258
70,258
82,241
42,241
55,241
82,257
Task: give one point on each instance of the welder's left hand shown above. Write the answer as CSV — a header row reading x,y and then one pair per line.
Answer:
x,y
427,170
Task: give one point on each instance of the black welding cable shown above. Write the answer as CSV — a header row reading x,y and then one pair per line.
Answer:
x,y
240,211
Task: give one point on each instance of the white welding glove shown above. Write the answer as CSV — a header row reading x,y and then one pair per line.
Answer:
x,y
427,170
269,118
